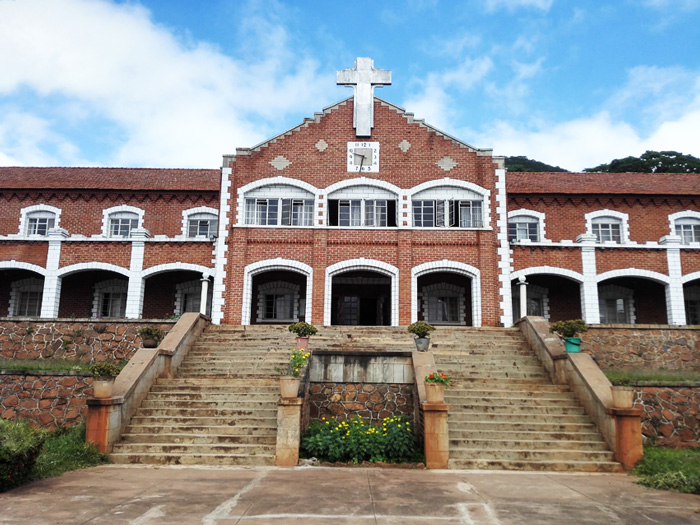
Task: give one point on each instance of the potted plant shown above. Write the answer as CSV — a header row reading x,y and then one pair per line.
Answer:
x,y
289,383
105,373
435,385
151,336
303,331
421,330
569,330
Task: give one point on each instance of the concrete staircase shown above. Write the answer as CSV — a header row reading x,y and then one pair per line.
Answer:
x,y
505,413
220,409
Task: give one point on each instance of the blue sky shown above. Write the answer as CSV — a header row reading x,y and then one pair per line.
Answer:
x,y
178,83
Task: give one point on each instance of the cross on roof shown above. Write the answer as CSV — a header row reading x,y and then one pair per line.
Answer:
x,y
363,78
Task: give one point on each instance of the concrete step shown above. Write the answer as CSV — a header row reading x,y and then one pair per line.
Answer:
x,y
212,431
160,420
221,413
537,465
493,425
270,438
474,403
237,449
207,405
514,416
466,434
534,454
193,459
456,444
177,396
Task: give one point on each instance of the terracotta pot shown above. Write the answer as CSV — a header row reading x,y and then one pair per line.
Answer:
x,y
302,343
623,396
422,343
289,386
435,392
102,386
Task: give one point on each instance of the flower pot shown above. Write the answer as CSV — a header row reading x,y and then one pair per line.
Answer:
x,y
623,396
289,386
149,343
435,392
102,386
302,342
422,343
572,344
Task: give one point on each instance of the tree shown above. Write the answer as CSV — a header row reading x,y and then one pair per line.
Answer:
x,y
525,164
652,162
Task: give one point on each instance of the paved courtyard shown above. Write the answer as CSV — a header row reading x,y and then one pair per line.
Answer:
x,y
117,494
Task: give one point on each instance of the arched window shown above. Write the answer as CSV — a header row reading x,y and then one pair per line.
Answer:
x,y
279,205
25,298
525,225
608,226
120,221
447,207
362,205
201,224
37,220
688,229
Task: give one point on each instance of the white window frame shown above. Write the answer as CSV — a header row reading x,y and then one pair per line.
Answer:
x,y
598,217
277,188
120,286
450,197
369,198
682,218
532,217
17,288
113,212
617,293
278,288
38,210
199,213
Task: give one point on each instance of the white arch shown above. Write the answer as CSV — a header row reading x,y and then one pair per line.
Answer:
x,y
362,264
363,181
267,265
120,209
447,181
690,277
80,267
538,215
446,265
634,272
17,265
547,270
169,267
277,180
618,215
25,212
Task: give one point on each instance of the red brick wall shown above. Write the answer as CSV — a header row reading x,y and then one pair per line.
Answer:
x,y
118,253
617,258
33,252
156,253
559,257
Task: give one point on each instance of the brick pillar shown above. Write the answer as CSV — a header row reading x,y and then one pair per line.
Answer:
x,y
628,436
675,302
405,264
436,435
590,310
319,262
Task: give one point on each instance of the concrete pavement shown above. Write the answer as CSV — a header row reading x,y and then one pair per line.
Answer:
x,y
140,495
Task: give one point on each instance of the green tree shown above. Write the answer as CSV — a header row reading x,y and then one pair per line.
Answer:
x,y
529,165
652,162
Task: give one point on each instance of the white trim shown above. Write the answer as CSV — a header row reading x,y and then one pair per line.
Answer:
x,y
176,266
274,181
267,265
448,182
633,272
123,208
622,217
221,248
362,264
192,211
685,279
80,267
18,265
450,267
530,213
547,270
25,212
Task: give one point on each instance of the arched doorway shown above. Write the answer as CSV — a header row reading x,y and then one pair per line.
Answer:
x,y
278,296
361,297
632,300
553,297
444,298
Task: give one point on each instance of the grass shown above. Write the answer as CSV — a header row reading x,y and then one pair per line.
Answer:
x,y
670,469
65,449
54,365
659,375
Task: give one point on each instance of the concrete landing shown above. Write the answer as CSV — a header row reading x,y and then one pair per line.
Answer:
x,y
119,494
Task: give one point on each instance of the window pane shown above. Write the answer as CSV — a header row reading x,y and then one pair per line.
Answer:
x,y
39,225
424,214
607,231
113,304
470,214
29,304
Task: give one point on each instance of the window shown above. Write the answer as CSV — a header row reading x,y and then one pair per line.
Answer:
x,y
109,298
523,227
278,301
439,213
266,212
616,305
121,223
29,304
279,306
443,303
25,298
607,229
362,212
40,222
201,225
688,229
692,304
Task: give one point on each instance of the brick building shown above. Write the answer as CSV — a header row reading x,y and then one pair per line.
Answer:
x,y
360,215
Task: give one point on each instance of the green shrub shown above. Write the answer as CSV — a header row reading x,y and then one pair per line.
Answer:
x,y
302,329
65,449
670,469
105,369
569,328
420,329
20,446
357,440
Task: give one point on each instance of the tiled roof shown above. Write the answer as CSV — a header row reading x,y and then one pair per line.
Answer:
x,y
144,179
601,183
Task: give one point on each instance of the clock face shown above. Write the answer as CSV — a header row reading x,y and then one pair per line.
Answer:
x,y
363,157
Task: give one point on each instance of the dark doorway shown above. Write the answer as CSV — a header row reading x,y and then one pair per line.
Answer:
x,y
361,298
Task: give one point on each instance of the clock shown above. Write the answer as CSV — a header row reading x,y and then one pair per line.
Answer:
x,y
363,157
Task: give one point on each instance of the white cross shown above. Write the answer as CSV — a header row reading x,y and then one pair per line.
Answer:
x,y
363,78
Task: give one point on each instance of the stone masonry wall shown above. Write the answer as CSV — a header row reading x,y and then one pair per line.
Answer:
x,y
643,346
48,399
671,414
373,401
83,340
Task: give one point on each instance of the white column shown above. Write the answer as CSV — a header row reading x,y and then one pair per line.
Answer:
x,y
675,303
134,296
205,294
590,310
51,296
523,295
221,248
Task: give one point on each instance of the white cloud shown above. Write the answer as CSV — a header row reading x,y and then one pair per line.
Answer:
x,y
173,104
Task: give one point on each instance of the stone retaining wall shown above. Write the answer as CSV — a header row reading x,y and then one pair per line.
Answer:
x,y
643,346
50,399
373,401
84,340
671,414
